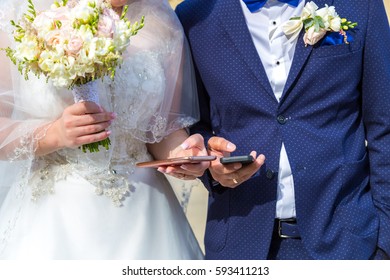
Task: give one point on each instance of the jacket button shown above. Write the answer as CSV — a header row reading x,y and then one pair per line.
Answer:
x,y
281,119
270,174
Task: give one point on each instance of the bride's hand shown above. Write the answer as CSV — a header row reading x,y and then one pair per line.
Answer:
x,y
192,146
83,123
80,123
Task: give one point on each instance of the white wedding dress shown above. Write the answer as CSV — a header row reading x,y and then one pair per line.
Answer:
x,y
75,205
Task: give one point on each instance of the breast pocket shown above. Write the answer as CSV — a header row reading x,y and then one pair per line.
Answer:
x,y
336,50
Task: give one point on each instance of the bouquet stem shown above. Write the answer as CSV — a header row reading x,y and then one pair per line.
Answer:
x,y
89,92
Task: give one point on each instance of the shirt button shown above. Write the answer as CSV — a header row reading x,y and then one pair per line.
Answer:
x,y
281,119
277,62
270,174
274,22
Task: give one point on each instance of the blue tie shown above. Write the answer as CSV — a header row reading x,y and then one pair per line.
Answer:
x,y
255,5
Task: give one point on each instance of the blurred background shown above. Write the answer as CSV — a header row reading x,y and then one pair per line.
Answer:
x,y
196,208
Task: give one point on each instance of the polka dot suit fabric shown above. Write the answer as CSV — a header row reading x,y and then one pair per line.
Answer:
x,y
336,97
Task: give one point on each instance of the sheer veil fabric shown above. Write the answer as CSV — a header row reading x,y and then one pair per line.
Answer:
x,y
75,205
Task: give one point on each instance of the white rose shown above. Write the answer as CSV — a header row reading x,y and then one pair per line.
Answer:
x,y
82,57
103,46
43,24
309,10
46,62
328,14
332,11
83,12
335,24
122,36
85,34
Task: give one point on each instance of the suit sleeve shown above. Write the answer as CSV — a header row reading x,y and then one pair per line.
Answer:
x,y
376,113
204,126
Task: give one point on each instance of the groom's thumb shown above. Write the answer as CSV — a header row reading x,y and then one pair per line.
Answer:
x,y
220,144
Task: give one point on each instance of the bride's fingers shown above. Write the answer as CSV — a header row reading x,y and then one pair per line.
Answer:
x,y
182,176
86,139
83,120
82,108
83,135
194,141
193,169
89,129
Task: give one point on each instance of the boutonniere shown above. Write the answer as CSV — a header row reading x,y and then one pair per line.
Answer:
x,y
316,23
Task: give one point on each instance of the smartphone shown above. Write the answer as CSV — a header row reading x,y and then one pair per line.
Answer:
x,y
175,161
240,159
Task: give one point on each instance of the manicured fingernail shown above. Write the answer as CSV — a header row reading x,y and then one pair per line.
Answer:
x,y
237,166
113,115
231,146
185,146
108,132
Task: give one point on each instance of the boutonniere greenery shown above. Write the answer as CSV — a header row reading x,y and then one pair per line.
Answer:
x,y
317,22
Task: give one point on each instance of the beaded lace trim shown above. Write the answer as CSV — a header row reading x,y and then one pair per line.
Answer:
x,y
107,181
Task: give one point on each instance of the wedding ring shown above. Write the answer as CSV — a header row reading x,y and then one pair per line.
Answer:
x,y
235,181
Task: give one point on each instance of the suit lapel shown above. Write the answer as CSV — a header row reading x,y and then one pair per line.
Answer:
x,y
300,56
239,34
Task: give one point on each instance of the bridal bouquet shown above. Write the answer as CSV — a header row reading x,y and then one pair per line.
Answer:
x,y
72,44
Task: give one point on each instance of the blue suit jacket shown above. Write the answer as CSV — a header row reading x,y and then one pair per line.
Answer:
x,y
336,97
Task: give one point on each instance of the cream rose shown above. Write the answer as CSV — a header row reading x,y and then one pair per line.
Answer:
x,y
74,45
311,36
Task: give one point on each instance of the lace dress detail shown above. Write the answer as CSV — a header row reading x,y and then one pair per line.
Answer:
x,y
142,77
110,174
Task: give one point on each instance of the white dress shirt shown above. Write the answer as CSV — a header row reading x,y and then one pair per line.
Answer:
x,y
276,54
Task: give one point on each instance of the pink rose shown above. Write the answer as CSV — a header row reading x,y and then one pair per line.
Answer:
x,y
111,13
106,26
74,46
51,19
54,38
311,36
58,14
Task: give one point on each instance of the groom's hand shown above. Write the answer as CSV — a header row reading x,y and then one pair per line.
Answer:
x,y
231,175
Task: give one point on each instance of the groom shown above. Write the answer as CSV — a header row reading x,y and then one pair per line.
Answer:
x,y
319,113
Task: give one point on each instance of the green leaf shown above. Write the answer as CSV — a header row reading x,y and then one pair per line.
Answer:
x,y
309,22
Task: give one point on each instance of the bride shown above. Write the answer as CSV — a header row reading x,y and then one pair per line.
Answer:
x,y
57,202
